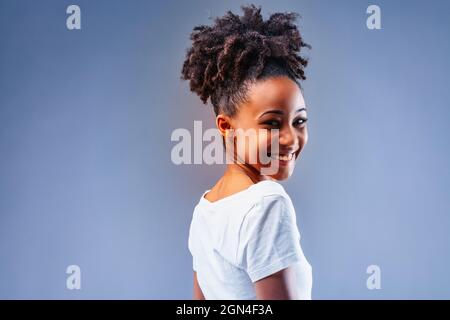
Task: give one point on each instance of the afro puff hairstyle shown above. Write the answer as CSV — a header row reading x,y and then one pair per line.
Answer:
x,y
237,50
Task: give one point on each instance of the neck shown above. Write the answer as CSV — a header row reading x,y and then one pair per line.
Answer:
x,y
243,169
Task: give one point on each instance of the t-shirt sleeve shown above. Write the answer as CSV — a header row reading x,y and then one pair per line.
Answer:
x,y
191,246
269,238
194,263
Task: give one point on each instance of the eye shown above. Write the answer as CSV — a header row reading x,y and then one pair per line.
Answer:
x,y
300,122
273,123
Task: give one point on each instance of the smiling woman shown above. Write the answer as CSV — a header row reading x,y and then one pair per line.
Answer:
x,y
243,236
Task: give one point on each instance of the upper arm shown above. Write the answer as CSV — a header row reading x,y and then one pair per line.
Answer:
x,y
277,286
269,240
198,294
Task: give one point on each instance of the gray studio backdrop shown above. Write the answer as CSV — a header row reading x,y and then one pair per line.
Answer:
x,y
86,176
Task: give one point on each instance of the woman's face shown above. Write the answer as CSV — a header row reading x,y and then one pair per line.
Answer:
x,y
273,103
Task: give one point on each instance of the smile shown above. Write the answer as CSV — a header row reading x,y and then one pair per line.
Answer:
x,y
282,157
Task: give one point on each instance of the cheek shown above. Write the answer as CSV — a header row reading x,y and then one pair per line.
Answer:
x,y
264,140
257,147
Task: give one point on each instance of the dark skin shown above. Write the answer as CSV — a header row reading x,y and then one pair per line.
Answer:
x,y
273,103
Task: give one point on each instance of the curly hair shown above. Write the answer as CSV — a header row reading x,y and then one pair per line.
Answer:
x,y
238,50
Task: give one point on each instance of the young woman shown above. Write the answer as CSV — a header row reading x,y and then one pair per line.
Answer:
x,y
243,236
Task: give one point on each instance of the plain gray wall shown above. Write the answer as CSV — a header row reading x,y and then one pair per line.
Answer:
x,y
86,176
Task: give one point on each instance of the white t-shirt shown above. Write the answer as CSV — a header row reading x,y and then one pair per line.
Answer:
x,y
245,237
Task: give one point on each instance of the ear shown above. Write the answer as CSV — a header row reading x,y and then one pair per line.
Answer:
x,y
224,124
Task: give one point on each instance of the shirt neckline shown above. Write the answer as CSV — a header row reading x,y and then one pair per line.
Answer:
x,y
232,196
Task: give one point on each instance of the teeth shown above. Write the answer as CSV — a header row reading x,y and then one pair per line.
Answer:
x,y
283,157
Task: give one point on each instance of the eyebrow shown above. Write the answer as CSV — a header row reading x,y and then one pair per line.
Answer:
x,y
278,111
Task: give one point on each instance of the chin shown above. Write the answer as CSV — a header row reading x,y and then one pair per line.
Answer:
x,y
283,172
282,175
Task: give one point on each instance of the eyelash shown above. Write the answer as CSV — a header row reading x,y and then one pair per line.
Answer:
x,y
269,123
303,119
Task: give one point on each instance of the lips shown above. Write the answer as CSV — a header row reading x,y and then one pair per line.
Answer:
x,y
283,157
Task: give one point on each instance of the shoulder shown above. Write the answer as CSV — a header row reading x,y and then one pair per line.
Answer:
x,y
270,196
269,239
270,187
272,207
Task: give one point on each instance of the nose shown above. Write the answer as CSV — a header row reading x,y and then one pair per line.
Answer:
x,y
289,140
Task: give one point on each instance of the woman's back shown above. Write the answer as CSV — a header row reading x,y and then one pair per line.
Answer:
x,y
240,239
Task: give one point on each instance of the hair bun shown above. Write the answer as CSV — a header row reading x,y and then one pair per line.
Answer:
x,y
236,48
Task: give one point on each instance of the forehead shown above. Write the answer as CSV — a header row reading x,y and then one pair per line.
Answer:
x,y
274,93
